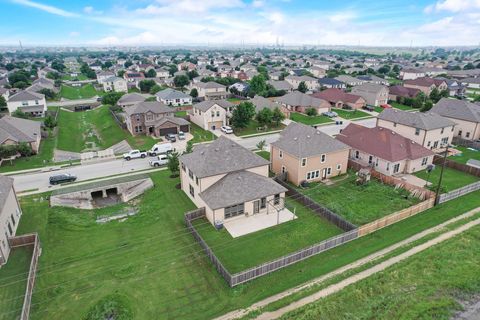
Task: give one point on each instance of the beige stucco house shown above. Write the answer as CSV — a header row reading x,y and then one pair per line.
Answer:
x,y
307,154
374,94
385,150
427,129
10,214
229,181
29,102
14,131
465,114
310,82
116,84
211,115
210,90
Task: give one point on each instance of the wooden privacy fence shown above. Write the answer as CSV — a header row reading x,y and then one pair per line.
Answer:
x,y
28,240
466,143
444,197
457,166
118,120
395,217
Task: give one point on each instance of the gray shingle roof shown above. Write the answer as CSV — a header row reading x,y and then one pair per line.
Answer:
x,y
260,103
209,85
6,184
146,106
176,120
297,98
239,187
169,94
205,105
25,96
420,120
19,130
219,157
303,141
131,97
457,109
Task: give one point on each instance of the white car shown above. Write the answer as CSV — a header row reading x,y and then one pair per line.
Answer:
x,y
159,161
227,129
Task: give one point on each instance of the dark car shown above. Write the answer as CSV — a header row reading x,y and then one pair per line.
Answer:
x,y
61,178
171,137
369,108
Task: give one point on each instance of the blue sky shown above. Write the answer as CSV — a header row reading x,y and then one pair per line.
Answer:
x,y
293,22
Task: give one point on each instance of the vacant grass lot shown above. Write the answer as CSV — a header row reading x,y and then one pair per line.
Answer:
x,y
425,286
466,155
265,245
200,135
152,261
308,120
13,283
78,130
80,77
359,204
352,114
252,129
400,106
73,93
452,179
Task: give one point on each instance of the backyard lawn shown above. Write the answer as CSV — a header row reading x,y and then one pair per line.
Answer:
x,y
252,129
180,113
13,283
466,155
83,262
400,106
200,135
452,179
80,77
264,154
428,285
255,248
73,93
359,204
350,114
309,120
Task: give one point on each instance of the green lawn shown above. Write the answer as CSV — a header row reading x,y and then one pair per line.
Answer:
x,y
180,113
350,114
466,155
356,203
452,179
96,128
393,81
252,129
400,106
73,93
83,262
428,285
235,100
264,154
378,109
80,77
13,283
200,135
308,120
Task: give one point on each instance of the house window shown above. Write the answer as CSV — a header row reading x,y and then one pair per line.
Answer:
x,y
453,128
276,199
280,154
263,203
190,174
138,117
357,154
329,171
388,166
284,169
218,113
234,210
459,133
370,159
467,135
36,101
445,140
196,180
429,143
396,167
304,162
323,157
424,161
417,131
443,129
13,220
192,191
213,114
394,124
339,167
183,167
10,229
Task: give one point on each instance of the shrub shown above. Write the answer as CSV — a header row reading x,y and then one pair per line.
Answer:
x,y
311,112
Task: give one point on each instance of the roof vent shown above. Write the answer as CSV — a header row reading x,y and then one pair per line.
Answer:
x,y
217,149
295,139
393,132
308,136
318,132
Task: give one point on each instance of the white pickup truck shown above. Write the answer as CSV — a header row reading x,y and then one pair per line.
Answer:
x,y
159,161
134,154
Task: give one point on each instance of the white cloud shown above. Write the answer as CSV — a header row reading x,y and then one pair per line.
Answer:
x,y
91,10
453,6
46,8
188,6
258,3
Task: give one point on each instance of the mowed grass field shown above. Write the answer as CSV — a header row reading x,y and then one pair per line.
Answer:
x,y
359,204
309,120
76,129
155,264
252,129
350,114
73,93
428,285
258,247
466,155
452,179
13,282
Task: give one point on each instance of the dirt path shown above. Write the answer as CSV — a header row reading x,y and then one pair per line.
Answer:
x,y
366,273
262,303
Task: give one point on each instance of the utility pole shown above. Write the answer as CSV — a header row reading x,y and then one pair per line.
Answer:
x,y
441,175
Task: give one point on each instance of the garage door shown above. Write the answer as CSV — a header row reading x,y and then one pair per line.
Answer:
x,y
166,131
216,124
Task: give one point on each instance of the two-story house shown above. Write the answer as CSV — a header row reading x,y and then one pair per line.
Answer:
x,y
385,150
426,85
10,214
307,154
153,118
211,114
172,97
133,78
116,84
374,94
32,103
310,82
465,114
428,129
230,182
210,90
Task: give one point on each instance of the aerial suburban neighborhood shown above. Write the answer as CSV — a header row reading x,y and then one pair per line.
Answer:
x,y
250,159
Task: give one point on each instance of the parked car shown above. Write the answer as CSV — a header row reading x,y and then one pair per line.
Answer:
x,y
159,161
181,135
62,178
369,108
385,106
330,114
134,154
99,99
161,148
226,129
171,137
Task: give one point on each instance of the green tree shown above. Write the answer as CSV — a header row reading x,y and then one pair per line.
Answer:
x,y
242,114
277,116
3,102
19,114
302,87
311,112
258,85
156,88
21,76
87,71
112,98
50,122
264,117
426,106
189,147
419,100
434,95
194,93
173,163
469,66
58,65
128,63
181,81
49,94
146,85
192,74
53,75
151,73
261,145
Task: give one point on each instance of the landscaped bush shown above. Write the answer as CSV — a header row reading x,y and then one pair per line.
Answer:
x,y
114,306
311,112
23,149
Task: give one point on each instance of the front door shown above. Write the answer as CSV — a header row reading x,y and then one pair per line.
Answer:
x,y
324,173
256,206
